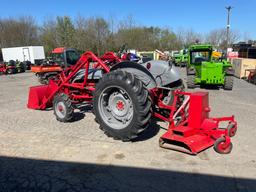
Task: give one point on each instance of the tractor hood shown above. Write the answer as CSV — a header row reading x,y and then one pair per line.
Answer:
x,y
164,72
152,73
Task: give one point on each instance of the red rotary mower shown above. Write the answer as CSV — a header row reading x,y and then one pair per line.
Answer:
x,y
7,69
127,95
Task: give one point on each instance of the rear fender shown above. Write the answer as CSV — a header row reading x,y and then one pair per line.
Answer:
x,y
164,72
139,71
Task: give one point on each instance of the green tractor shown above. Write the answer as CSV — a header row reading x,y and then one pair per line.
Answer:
x,y
20,66
202,69
181,58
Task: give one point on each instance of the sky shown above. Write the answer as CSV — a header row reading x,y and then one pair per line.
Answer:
x,y
198,15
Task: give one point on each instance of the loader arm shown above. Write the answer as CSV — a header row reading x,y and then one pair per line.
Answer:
x,y
40,97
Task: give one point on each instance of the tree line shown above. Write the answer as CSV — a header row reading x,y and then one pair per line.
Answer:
x,y
98,34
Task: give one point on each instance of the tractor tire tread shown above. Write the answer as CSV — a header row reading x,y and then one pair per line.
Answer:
x,y
191,81
70,109
228,82
141,102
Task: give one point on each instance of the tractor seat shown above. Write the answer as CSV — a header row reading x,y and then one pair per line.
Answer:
x,y
92,74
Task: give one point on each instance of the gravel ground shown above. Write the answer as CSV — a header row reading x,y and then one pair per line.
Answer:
x,y
37,153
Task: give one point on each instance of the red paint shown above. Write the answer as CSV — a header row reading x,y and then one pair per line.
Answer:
x,y
120,105
40,97
196,131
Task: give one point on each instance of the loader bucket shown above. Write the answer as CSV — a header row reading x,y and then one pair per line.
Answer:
x,y
40,97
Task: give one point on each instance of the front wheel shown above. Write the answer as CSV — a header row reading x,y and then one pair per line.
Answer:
x,y
122,105
63,108
228,83
220,146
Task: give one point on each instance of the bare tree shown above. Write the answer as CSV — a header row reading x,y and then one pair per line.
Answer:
x,y
218,37
188,36
18,32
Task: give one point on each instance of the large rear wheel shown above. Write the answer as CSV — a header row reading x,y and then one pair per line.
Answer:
x,y
122,105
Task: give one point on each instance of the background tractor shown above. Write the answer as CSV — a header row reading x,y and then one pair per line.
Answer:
x,y
125,95
60,59
20,66
181,58
202,69
8,67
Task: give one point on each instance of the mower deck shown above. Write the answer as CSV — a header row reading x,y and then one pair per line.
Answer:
x,y
195,131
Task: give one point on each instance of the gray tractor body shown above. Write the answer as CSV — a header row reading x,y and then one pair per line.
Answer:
x,y
154,73
159,74
163,72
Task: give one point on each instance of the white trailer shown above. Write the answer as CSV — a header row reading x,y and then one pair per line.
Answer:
x,y
29,53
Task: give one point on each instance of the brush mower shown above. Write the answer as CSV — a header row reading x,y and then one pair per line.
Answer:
x,y
126,96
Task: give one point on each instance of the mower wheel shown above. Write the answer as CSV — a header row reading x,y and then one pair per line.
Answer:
x,y
221,147
232,128
228,83
122,105
191,81
63,108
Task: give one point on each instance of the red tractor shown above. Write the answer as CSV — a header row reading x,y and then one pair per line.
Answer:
x,y
8,68
61,58
126,96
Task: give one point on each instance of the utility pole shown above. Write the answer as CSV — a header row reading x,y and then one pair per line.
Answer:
x,y
228,23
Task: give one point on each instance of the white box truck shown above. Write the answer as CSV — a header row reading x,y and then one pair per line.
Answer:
x,y
34,54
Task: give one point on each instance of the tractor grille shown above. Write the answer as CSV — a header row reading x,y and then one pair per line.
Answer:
x,y
212,74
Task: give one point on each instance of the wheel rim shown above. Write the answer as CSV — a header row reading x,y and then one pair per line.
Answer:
x,y
115,107
222,147
61,110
